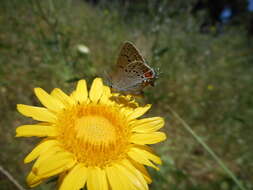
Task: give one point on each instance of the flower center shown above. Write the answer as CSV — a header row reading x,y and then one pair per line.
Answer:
x,y
95,129
96,134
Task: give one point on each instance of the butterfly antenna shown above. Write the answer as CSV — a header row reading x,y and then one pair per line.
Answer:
x,y
158,72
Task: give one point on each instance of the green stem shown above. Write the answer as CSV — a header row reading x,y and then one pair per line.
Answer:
x,y
208,149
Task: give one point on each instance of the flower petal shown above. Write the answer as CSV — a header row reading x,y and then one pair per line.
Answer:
x,y
36,130
81,93
45,155
140,168
133,178
54,164
37,113
61,177
147,152
64,98
75,179
138,112
48,101
148,138
40,148
96,90
33,180
97,179
105,98
147,125
136,171
115,179
140,156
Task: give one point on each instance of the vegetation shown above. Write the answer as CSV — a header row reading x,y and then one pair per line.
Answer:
x,y
205,78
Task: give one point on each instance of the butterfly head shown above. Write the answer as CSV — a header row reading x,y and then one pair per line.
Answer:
x,y
150,76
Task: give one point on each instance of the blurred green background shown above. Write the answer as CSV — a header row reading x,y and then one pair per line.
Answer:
x,y
207,78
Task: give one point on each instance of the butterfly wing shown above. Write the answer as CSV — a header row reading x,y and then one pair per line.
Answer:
x,y
132,73
133,78
128,54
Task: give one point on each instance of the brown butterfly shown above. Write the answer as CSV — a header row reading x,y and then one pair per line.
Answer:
x,y
132,73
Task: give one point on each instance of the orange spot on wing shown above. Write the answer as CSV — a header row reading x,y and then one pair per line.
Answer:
x,y
149,74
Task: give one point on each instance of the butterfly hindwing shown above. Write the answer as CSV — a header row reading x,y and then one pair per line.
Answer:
x,y
132,74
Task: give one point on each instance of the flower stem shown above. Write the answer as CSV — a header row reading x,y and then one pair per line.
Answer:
x,y
208,149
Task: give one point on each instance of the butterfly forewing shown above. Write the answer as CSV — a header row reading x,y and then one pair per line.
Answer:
x,y
128,54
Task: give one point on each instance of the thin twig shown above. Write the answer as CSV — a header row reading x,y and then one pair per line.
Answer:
x,y
208,149
11,178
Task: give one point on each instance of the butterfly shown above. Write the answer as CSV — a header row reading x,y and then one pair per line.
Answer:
x,y
132,73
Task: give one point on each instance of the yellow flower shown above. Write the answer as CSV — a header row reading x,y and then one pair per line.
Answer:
x,y
210,87
90,140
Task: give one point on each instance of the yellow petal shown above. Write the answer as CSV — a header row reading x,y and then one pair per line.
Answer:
x,y
123,178
147,125
137,172
54,164
64,98
61,177
50,152
126,111
81,93
148,138
33,180
115,179
75,179
137,155
147,153
43,146
48,101
96,90
97,179
37,113
36,130
133,179
138,112
146,148
105,98
140,168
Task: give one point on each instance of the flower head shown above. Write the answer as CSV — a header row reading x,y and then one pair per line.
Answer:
x,y
90,139
83,49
